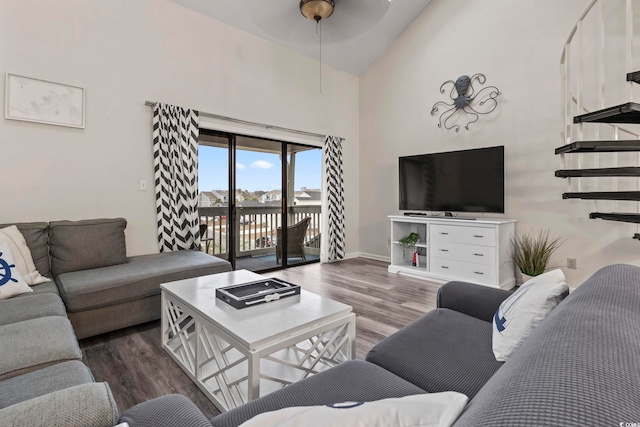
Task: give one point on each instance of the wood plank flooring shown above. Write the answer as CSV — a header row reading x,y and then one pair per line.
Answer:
x,y
137,369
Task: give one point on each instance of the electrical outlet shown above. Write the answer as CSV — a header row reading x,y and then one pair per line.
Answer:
x,y
572,263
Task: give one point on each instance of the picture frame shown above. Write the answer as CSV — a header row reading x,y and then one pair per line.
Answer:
x,y
42,101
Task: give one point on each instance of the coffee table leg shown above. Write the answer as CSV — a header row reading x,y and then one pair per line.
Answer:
x,y
254,376
351,352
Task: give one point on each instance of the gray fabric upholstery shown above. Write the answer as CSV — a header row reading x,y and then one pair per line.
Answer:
x,y
44,288
39,305
167,411
105,319
36,234
473,300
355,380
443,351
37,383
36,343
580,367
82,405
82,245
140,277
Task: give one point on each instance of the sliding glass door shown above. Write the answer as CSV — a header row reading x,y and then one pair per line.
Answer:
x,y
257,210
214,205
259,202
304,172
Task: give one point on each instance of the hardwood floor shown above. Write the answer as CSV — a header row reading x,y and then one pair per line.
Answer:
x,y
136,367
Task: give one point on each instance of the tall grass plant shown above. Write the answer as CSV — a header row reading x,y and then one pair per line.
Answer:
x,y
532,250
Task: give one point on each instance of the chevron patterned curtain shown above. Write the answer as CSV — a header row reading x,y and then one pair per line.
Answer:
x,y
175,163
333,247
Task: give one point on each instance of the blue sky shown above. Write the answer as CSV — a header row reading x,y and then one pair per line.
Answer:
x,y
255,171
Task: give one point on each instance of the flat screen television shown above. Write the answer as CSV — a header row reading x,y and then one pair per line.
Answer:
x,y
455,181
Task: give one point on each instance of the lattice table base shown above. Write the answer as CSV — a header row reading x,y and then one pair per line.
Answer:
x,y
231,374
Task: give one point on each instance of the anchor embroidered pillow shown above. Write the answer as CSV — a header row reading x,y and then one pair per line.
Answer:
x,y
11,282
523,311
21,255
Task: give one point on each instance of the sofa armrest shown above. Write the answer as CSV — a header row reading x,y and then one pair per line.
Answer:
x,y
166,411
88,405
474,300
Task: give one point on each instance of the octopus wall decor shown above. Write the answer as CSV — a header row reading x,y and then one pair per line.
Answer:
x,y
465,100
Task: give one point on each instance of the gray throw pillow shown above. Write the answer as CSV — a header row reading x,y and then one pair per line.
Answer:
x,y
82,245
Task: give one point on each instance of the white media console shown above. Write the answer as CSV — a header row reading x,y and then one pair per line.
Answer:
x,y
470,250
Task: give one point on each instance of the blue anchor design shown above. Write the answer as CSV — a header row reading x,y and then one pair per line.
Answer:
x,y
500,321
5,271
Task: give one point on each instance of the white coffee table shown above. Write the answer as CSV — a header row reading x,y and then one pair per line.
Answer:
x,y
235,356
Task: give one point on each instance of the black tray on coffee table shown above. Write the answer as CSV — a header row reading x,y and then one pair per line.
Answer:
x,y
258,292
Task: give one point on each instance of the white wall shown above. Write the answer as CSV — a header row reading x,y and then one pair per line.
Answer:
x,y
517,45
125,52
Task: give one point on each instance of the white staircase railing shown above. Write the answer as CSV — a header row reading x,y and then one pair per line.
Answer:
x,y
593,77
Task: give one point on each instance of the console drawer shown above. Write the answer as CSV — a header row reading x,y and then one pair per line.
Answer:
x,y
477,273
462,234
465,253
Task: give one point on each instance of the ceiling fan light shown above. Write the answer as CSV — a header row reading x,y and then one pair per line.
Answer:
x,y
317,10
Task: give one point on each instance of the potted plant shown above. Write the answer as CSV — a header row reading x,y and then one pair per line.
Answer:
x,y
532,251
410,240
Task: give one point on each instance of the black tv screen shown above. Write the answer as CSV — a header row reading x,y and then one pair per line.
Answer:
x,y
455,181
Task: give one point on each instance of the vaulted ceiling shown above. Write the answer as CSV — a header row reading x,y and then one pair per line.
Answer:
x,y
352,38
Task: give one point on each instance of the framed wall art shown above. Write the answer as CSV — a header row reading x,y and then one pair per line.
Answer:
x,y
42,101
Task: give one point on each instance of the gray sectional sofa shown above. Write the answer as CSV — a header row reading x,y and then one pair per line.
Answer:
x,y
103,289
580,367
95,288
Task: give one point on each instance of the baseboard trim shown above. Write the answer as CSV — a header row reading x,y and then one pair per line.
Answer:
x,y
374,257
352,255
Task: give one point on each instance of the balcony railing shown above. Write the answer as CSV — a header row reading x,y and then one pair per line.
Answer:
x,y
255,229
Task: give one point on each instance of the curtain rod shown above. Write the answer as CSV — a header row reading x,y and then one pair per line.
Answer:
x,y
246,122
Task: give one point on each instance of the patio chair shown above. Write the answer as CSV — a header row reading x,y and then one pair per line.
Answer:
x,y
206,241
295,240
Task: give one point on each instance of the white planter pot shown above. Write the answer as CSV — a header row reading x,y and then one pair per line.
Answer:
x,y
521,277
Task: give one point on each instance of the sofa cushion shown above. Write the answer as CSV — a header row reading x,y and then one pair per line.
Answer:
x,y
170,410
39,305
47,380
580,367
355,380
138,278
21,255
82,405
36,234
443,351
35,344
43,288
86,244
11,281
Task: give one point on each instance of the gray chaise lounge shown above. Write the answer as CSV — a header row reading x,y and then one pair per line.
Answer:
x,y
103,289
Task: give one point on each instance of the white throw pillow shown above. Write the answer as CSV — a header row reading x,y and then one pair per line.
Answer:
x,y
519,314
420,410
11,282
22,255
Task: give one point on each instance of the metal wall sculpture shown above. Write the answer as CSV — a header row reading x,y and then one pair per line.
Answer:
x,y
471,105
